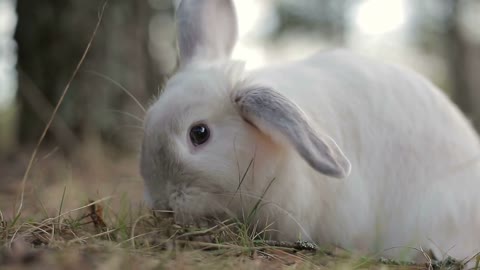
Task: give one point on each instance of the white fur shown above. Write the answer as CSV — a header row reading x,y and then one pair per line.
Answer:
x,y
415,158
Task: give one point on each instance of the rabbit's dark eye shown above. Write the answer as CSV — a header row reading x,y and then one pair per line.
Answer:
x,y
199,134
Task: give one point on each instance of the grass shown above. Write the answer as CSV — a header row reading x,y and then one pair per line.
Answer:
x,y
97,237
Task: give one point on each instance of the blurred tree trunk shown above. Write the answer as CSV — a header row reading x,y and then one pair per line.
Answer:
x,y
464,64
52,36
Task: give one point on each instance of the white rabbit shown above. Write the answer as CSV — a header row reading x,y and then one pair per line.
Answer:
x,y
341,149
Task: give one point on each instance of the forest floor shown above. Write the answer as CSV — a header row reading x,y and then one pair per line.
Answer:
x,y
86,212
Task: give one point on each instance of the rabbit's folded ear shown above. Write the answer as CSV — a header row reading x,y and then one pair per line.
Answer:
x,y
207,29
279,118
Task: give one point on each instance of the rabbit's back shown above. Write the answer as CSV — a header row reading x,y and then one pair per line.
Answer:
x,y
415,158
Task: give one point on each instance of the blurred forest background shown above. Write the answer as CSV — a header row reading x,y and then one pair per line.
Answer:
x,y
41,43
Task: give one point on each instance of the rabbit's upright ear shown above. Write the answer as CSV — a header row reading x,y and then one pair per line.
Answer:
x,y
207,29
279,118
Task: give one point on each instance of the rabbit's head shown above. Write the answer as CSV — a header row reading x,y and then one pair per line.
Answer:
x,y
213,133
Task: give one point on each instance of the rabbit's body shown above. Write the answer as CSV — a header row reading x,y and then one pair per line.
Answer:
x,y
220,139
415,158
